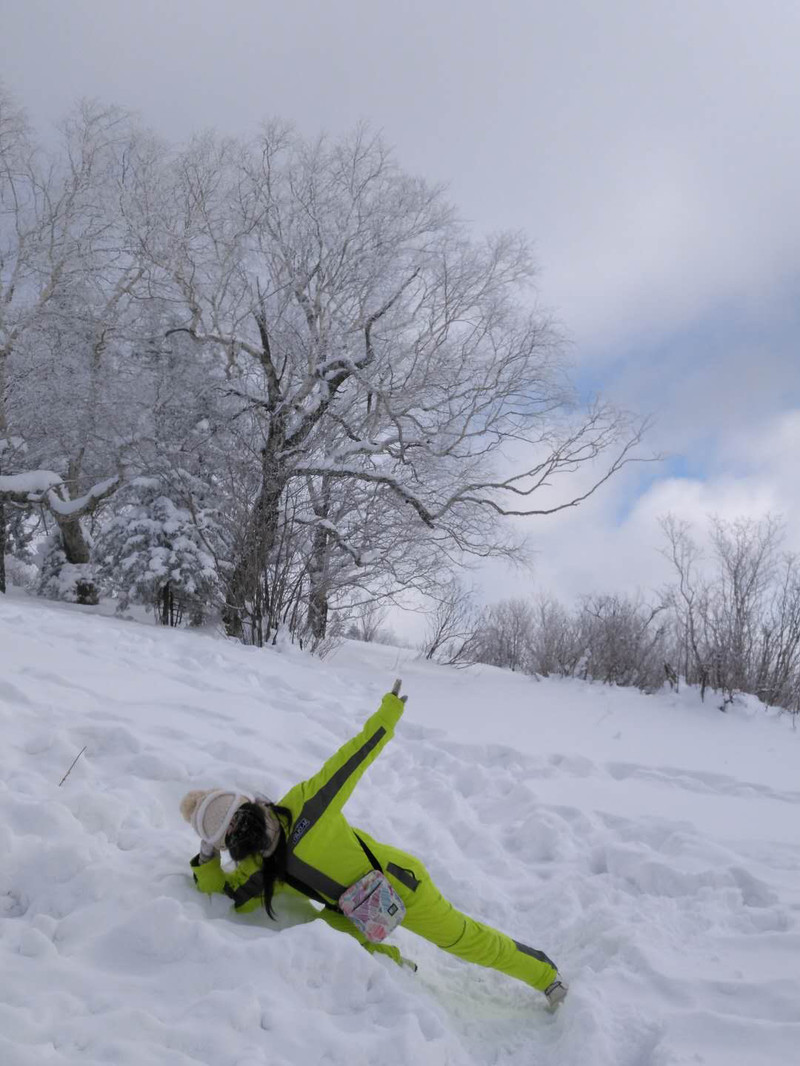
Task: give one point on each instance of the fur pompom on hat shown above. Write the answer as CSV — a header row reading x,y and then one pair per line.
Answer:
x,y
210,813
190,802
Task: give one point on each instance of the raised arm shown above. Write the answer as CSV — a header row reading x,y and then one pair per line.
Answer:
x,y
333,785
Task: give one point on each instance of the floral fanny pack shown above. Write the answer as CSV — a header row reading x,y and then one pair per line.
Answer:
x,y
372,905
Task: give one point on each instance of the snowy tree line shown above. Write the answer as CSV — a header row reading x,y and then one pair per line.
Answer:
x,y
269,381
729,623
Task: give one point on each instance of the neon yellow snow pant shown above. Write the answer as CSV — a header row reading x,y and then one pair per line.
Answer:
x,y
430,915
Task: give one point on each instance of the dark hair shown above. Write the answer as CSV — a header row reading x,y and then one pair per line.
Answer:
x,y
248,835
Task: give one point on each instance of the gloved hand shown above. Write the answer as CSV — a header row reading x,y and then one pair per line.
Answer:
x,y
396,690
207,851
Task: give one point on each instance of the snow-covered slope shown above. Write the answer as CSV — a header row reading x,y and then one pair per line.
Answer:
x,y
650,845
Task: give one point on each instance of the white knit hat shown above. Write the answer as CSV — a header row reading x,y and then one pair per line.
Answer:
x,y
210,813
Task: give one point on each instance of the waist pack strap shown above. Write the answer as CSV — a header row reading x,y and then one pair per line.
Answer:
x,y
375,864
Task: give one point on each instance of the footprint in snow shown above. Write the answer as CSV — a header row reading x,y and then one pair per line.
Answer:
x,y
109,740
14,696
698,781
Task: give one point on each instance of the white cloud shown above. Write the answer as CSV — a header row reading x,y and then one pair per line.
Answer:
x,y
591,550
649,148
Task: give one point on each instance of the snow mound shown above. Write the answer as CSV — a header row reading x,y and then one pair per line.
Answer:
x,y
649,844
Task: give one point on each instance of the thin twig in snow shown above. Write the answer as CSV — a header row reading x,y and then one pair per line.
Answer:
x,y
66,775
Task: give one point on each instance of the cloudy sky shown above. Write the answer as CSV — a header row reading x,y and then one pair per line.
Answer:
x,y
650,147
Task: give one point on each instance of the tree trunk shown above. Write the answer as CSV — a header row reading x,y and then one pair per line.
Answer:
x,y
170,611
318,605
165,605
3,431
257,543
76,549
2,547
318,608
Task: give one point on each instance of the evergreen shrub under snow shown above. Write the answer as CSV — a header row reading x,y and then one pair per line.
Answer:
x,y
60,580
153,553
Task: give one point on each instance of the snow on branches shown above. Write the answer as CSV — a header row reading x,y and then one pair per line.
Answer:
x,y
153,553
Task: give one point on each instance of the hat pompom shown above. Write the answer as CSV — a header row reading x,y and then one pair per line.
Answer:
x,y
190,802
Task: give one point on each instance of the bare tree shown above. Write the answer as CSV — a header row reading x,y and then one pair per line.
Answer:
x,y
687,601
454,630
507,634
557,646
16,152
745,552
370,618
363,544
67,275
300,341
372,341
624,641
736,611
777,669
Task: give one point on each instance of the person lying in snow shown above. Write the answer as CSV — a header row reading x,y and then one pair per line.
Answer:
x,y
305,844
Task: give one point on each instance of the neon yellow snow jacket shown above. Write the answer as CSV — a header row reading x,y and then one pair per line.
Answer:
x,y
324,852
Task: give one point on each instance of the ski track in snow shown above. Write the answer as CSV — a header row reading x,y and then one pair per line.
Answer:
x,y
649,844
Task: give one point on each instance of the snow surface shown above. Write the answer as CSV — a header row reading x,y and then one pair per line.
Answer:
x,y
651,845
